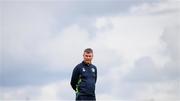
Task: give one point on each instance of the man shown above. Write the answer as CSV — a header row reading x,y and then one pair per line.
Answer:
x,y
84,77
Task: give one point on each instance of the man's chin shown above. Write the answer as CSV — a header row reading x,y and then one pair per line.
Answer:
x,y
88,62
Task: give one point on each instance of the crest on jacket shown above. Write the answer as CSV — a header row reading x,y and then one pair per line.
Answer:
x,y
83,69
92,69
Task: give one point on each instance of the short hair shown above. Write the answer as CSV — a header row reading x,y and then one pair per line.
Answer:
x,y
88,50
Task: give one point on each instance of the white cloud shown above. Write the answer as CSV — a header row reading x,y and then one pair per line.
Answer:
x,y
130,38
65,49
159,92
102,23
168,6
49,92
136,36
59,90
19,93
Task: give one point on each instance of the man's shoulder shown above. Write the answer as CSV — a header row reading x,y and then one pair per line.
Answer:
x,y
93,66
79,65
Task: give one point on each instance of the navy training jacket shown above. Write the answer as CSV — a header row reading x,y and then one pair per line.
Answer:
x,y
84,78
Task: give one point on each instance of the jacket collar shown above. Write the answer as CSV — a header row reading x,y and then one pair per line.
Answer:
x,y
85,64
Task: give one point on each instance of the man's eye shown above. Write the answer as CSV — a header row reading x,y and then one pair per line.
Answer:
x,y
88,56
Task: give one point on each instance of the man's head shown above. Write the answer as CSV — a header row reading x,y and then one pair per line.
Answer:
x,y
88,55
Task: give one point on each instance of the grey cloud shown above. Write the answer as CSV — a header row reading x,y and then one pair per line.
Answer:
x,y
85,13
30,76
143,71
172,39
165,11
146,71
146,74
22,73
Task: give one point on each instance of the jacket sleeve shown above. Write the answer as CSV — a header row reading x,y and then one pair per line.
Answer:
x,y
75,77
96,75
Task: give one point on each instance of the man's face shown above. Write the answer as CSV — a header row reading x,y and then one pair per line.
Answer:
x,y
88,57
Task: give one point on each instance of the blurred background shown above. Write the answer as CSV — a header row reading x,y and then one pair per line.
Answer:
x,y
136,47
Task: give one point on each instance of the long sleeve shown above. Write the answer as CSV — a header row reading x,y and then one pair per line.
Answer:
x,y
74,78
96,75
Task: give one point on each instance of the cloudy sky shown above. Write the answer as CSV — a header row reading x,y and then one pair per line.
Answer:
x,y
136,48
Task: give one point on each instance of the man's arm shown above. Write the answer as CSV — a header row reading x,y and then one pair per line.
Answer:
x,y
96,75
74,78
